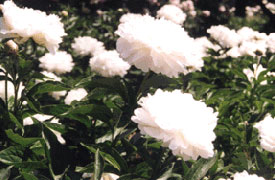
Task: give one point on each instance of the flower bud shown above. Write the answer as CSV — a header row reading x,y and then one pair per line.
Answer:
x,y
64,13
12,46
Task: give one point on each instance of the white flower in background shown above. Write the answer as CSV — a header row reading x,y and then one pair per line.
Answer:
x,y
267,133
245,176
271,7
222,8
175,2
172,13
84,46
234,52
39,117
257,69
188,5
105,176
252,48
61,62
52,77
75,95
12,45
109,64
42,118
25,23
205,44
246,33
158,45
251,11
224,36
10,88
180,122
271,42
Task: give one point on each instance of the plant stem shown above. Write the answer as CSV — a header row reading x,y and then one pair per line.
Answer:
x,y
6,90
139,92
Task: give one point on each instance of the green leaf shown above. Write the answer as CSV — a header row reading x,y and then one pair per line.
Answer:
x,y
200,168
112,84
31,165
21,140
14,119
98,167
47,86
28,176
111,156
157,81
12,155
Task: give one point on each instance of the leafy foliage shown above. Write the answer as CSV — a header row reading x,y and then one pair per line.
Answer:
x,y
100,136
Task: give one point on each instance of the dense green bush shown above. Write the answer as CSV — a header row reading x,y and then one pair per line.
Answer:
x,y
98,132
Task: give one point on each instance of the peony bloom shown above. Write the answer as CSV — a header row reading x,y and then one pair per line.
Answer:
x,y
60,62
271,42
158,45
109,64
224,36
172,13
75,95
86,46
180,122
52,77
41,117
245,176
267,133
129,17
25,23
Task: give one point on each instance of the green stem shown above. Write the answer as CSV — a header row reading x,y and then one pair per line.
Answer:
x,y
139,92
6,90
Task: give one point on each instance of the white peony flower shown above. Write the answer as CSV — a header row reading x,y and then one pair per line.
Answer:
x,y
75,95
109,64
251,48
60,62
180,122
234,52
42,118
245,176
52,77
224,36
84,46
172,13
25,23
271,42
159,45
267,133
129,17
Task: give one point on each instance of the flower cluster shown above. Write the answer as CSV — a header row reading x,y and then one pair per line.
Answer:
x,y
158,45
109,64
172,117
267,133
61,62
25,23
86,46
172,13
243,42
